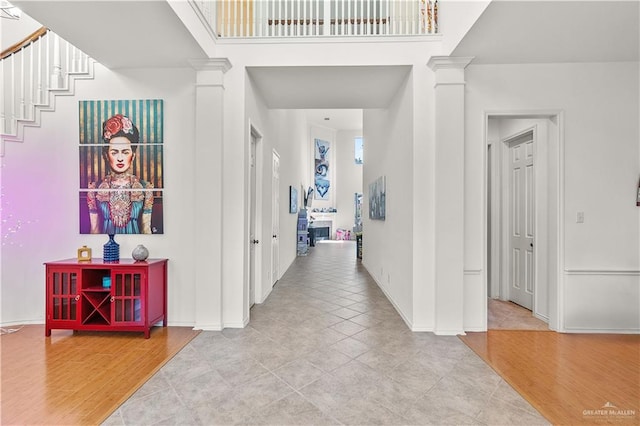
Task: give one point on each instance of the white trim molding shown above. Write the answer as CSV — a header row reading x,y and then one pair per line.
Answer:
x,y
211,64
449,62
631,272
449,71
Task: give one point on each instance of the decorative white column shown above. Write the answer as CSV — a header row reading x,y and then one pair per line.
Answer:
x,y
449,193
209,131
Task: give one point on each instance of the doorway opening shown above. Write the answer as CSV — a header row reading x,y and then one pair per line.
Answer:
x,y
256,292
523,220
291,102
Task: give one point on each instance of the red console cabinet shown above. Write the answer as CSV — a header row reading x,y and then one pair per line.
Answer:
x,y
127,295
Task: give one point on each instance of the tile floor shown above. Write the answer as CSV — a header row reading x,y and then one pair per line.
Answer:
x,y
504,315
327,347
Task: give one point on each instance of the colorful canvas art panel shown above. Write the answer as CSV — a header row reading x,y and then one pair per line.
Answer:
x,y
321,176
121,166
377,199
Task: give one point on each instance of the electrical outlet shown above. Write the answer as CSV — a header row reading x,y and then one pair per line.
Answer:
x,y
580,217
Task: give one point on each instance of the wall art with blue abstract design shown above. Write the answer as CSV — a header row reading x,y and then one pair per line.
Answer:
x,y
377,198
321,175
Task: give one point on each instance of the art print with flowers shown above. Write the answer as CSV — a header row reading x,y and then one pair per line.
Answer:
x,y
121,167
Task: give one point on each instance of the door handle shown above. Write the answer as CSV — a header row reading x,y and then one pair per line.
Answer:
x,y
275,236
255,241
531,244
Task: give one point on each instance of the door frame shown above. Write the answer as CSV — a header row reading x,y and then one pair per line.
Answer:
x,y
254,132
275,279
548,175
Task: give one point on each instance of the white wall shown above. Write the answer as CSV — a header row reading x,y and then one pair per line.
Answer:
x,y
286,133
40,194
601,256
348,178
424,177
258,117
455,20
387,245
13,31
293,133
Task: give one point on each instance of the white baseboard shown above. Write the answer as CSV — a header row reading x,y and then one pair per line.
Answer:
x,y
208,327
575,330
602,272
179,324
390,299
13,324
450,333
236,324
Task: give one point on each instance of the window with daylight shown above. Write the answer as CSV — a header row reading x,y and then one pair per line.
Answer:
x,y
359,150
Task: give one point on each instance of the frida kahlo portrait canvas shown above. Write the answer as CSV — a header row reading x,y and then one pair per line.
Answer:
x,y
121,167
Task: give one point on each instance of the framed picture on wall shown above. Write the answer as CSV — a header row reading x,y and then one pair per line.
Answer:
x,y
121,166
293,200
322,180
378,199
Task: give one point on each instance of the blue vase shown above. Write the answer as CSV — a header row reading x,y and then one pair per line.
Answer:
x,y
111,250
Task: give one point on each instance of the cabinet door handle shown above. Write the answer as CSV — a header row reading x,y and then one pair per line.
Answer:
x,y
112,299
77,297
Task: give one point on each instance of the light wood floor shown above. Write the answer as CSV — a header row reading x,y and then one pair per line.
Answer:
x,y
569,378
81,378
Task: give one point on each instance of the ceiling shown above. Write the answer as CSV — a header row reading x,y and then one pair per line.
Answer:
x,y
148,33
339,119
336,93
516,32
119,34
328,86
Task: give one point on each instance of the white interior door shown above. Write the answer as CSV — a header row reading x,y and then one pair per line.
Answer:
x,y
275,219
521,217
252,223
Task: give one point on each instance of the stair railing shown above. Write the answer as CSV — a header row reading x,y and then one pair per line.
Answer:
x,y
31,70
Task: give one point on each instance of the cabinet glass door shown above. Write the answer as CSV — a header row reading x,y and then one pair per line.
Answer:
x,y
126,289
64,296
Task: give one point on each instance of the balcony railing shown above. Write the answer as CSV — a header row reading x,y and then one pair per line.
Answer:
x,y
319,18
